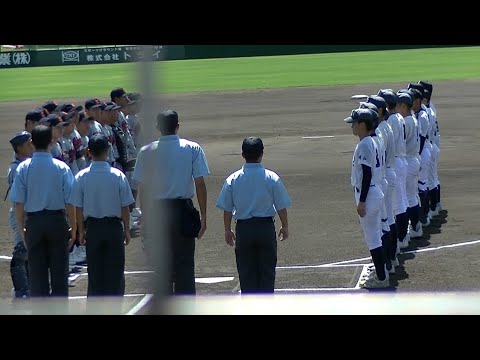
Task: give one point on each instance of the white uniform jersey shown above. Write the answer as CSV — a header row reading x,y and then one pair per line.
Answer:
x,y
56,151
397,123
380,142
366,153
130,144
413,136
423,123
69,153
94,128
433,129
389,141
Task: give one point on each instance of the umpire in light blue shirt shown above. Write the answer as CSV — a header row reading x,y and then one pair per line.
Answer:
x,y
253,195
177,169
40,191
102,196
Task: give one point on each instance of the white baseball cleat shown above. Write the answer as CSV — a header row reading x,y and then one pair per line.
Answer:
x,y
375,283
404,243
417,233
395,262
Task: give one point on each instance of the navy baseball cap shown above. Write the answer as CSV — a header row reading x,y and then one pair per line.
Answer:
x,y
50,106
360,115
427,86
53,120
20,138
252,145
418,87
69,107
36,114
405,98
134,96
369,105
378,101
110,105
388,95
84,117
117,92
92,103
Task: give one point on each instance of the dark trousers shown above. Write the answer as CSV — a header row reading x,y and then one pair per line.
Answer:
x,y
256,255
105,256
47,244
178,263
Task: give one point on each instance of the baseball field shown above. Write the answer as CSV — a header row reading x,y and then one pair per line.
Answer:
x,y
296,104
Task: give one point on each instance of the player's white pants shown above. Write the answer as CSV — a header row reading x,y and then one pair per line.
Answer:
x,y
432,181
371,222
413,170
424,165
391,180
384,214
399,197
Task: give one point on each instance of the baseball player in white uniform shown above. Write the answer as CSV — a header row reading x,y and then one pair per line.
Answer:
x,y
385,133
399,195
365,179
404,107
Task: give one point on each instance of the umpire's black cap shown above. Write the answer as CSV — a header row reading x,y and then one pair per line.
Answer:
x,y
50,106
20,138
36,114
364,115
252,145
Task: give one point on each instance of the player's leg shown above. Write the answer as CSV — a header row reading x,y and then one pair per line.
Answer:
x,y
413,210
18,264
402,218
389,205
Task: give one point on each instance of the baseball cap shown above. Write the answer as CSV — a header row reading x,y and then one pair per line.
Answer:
x,y
20,138
405,98
110,105
388,95
50,106
427,86
84,117
36,114
378,101
418,87
117,92
69,107
167,117
53,120
369,105
360,115
92,103
252,145
416,94
134,96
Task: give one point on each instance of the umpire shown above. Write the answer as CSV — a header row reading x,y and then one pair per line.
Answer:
x,y
253,195
176,165
40,191
102,196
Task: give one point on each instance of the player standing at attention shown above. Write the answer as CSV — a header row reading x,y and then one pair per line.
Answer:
x,y
368,194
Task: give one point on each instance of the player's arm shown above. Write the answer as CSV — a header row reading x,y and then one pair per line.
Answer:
x,y
366,180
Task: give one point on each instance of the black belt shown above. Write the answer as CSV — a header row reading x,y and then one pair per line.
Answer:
x,y
358,190
46,212
268,219
104,219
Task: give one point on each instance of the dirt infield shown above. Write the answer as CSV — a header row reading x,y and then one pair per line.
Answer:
x,y
324,228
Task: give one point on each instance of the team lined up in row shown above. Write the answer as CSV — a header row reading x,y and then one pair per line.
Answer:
x,y
395,172
72,126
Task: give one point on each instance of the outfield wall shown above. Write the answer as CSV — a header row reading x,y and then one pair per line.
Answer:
x,y
122,54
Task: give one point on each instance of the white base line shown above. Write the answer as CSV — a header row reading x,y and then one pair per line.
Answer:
x,y
318,137
315,289
140,305
317,266
364,272
84,296
5,257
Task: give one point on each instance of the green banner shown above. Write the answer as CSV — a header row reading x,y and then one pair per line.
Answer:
x,y
102,55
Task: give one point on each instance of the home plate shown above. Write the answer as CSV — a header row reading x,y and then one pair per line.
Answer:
x,y
213,280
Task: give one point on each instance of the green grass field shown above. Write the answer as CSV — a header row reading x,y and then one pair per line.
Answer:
x,y
244,73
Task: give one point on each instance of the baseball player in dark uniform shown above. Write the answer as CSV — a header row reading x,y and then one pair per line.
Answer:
x,y
253,195
23,148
